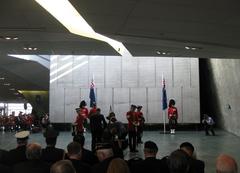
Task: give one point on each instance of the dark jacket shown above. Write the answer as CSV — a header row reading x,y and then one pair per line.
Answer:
x,y
149,165
52,154
16,155
31,166
196,166
80,166
88,157
102,166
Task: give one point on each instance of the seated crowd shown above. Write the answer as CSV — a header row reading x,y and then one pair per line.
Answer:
x,y
32,158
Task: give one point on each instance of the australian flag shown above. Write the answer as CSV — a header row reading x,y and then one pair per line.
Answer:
x,y
164,95
92,94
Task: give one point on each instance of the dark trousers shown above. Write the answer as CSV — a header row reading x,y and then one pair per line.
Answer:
x,y
172,123
96,138
207,128
139,134
132,137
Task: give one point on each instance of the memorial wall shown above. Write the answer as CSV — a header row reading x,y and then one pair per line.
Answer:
x,y
122,81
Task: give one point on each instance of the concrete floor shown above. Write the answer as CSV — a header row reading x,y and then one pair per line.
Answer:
x,y
207,147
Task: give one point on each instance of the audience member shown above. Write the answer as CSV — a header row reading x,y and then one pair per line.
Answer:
x,y
104,153
178,162
150,163
18,154
33,163
118,165
87,155
196,166
74,155
51,154
63,166
226,164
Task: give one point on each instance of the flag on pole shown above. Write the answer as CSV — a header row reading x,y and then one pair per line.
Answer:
x,y
164,95
110,109
92,94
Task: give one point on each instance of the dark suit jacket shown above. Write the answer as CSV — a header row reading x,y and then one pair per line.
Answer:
x,y
31,166
80,166
5,169
196,166
52,154
88,157
102,166
149,165
16,155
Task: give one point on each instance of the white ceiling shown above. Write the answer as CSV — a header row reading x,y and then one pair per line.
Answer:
x,y
144,27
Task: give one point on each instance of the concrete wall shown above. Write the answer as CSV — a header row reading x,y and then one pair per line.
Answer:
x,y
122,81
224,86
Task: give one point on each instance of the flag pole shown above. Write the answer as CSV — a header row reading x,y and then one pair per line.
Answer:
x,y
164,104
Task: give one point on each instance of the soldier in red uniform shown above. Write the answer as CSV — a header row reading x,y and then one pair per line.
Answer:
x,y
132,128
172,116
82,114
141,121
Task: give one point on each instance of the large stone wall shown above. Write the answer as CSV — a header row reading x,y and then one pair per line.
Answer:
x,y
122,81
224,85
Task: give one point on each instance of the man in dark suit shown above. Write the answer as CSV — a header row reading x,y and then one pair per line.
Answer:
x,y
74,155
18,154
63,166
33,164
196,166
105,155
150,163
87,155
97,126
51,154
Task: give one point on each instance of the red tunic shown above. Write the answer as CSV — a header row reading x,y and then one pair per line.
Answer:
x,y
82,115
172,111
132,120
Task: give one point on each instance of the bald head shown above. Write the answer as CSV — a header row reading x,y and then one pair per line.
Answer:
x,y
226,164
63,166
33,151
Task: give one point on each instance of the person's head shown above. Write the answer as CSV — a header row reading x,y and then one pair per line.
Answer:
x,y
33,151
205,116
63,166
139,108
80,139
104,151
82,104
150,149
171,103
74,150
118,165
51,136
22,137
226,164
178,162
188,148
133,107
98,111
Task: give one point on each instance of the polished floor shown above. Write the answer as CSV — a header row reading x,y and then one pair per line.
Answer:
x,y
207,147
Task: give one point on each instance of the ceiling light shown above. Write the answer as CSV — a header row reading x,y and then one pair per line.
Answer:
x,y
164,53
30,48
6,84
15,38
12,89
2,78
192,48
76,24
8,38
158,52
